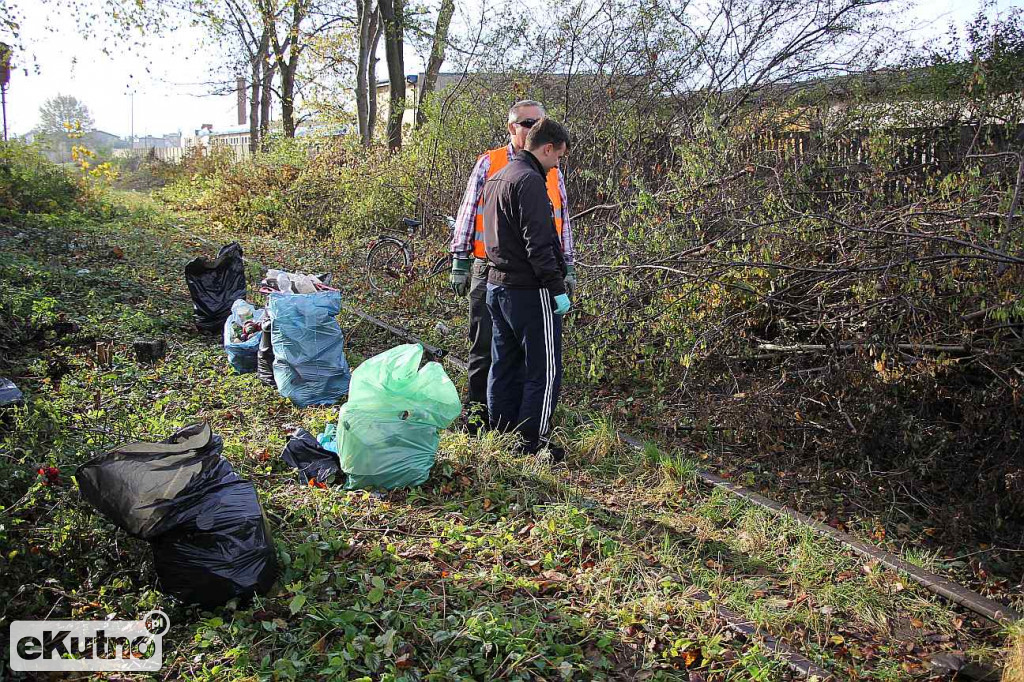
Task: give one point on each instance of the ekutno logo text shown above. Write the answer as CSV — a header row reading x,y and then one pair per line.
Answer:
x,y
94,645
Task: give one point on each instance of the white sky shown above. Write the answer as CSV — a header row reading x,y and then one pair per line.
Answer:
x,y
167,77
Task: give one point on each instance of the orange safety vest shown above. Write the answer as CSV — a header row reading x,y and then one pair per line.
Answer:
x,y
499,159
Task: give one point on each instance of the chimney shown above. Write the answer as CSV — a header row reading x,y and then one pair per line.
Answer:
x,y
240,84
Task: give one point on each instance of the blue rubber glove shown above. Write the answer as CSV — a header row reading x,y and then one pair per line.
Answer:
x,y
460,276
561,304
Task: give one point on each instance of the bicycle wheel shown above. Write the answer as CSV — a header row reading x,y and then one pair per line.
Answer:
x,y
446,298
388,266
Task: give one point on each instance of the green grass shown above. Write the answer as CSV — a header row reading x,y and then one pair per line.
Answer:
x,y
501,566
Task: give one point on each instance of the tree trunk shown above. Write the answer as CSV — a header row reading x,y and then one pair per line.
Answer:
x,y
266,101
287,101
377,28
287,55
254,109
444,21
365,14
392,13
258,60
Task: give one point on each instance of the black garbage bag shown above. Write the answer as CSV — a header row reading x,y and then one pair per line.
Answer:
x,y
210,540
313,461
10,394
265,355
214,286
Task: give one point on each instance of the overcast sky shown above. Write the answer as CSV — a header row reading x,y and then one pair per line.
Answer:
x,y
167,78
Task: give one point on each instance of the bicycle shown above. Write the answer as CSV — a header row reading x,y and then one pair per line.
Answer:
x,y
391,262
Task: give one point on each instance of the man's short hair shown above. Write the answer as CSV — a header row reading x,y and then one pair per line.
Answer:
x,y
547,131
513,112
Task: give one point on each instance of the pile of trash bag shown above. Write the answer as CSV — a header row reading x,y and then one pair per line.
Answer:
x,y
215,285
309,347
389,430
210,540
243,331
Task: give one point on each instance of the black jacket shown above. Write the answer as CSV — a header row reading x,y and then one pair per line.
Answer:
x,y
519,233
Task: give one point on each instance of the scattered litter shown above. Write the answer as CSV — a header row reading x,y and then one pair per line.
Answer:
x,y
243,332
215,285
147,350
294,282
10,394
309,355
84,271
388,431
204,523
314,462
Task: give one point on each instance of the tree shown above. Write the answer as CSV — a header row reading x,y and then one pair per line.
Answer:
x,y
251,29
440,41
62,113
392,14
369,30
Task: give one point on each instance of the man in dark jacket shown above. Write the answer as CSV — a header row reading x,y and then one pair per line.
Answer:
x,y
526,289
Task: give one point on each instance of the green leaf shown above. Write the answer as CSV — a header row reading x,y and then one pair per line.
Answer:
x,y
375,595
296,604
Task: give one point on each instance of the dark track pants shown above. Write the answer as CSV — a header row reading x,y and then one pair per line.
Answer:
x,y
479,345
526,361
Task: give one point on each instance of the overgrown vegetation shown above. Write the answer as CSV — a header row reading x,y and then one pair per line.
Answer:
x,y
500,566
829,272
805,278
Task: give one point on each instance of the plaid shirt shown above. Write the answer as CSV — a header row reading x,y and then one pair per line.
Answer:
x,y
465,221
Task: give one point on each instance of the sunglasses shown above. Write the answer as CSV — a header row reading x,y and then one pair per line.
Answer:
x,y
527,122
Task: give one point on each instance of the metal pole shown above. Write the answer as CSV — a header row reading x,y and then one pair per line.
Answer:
x,y
3,99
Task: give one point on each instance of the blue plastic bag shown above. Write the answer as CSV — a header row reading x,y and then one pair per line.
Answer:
x,y
242,354
309,354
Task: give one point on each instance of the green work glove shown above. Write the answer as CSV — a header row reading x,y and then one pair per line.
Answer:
x,y
570,281
561,304
460,275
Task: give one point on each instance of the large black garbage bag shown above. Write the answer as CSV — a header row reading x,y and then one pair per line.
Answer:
x,y
214,286
210,540
314,461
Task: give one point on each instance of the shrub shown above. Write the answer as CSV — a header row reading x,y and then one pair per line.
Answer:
x,y
29,183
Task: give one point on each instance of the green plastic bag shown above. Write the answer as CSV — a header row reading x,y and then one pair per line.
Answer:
x,y
389,429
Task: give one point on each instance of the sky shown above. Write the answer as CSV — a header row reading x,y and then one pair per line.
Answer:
x,y
167,77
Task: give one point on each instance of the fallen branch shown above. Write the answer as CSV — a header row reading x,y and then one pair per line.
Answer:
x,y
848,347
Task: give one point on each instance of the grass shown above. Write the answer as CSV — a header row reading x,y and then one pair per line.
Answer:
x,y
501,566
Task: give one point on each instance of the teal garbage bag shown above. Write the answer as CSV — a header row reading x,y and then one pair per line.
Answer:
x,y
242,353
309,355
389,429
